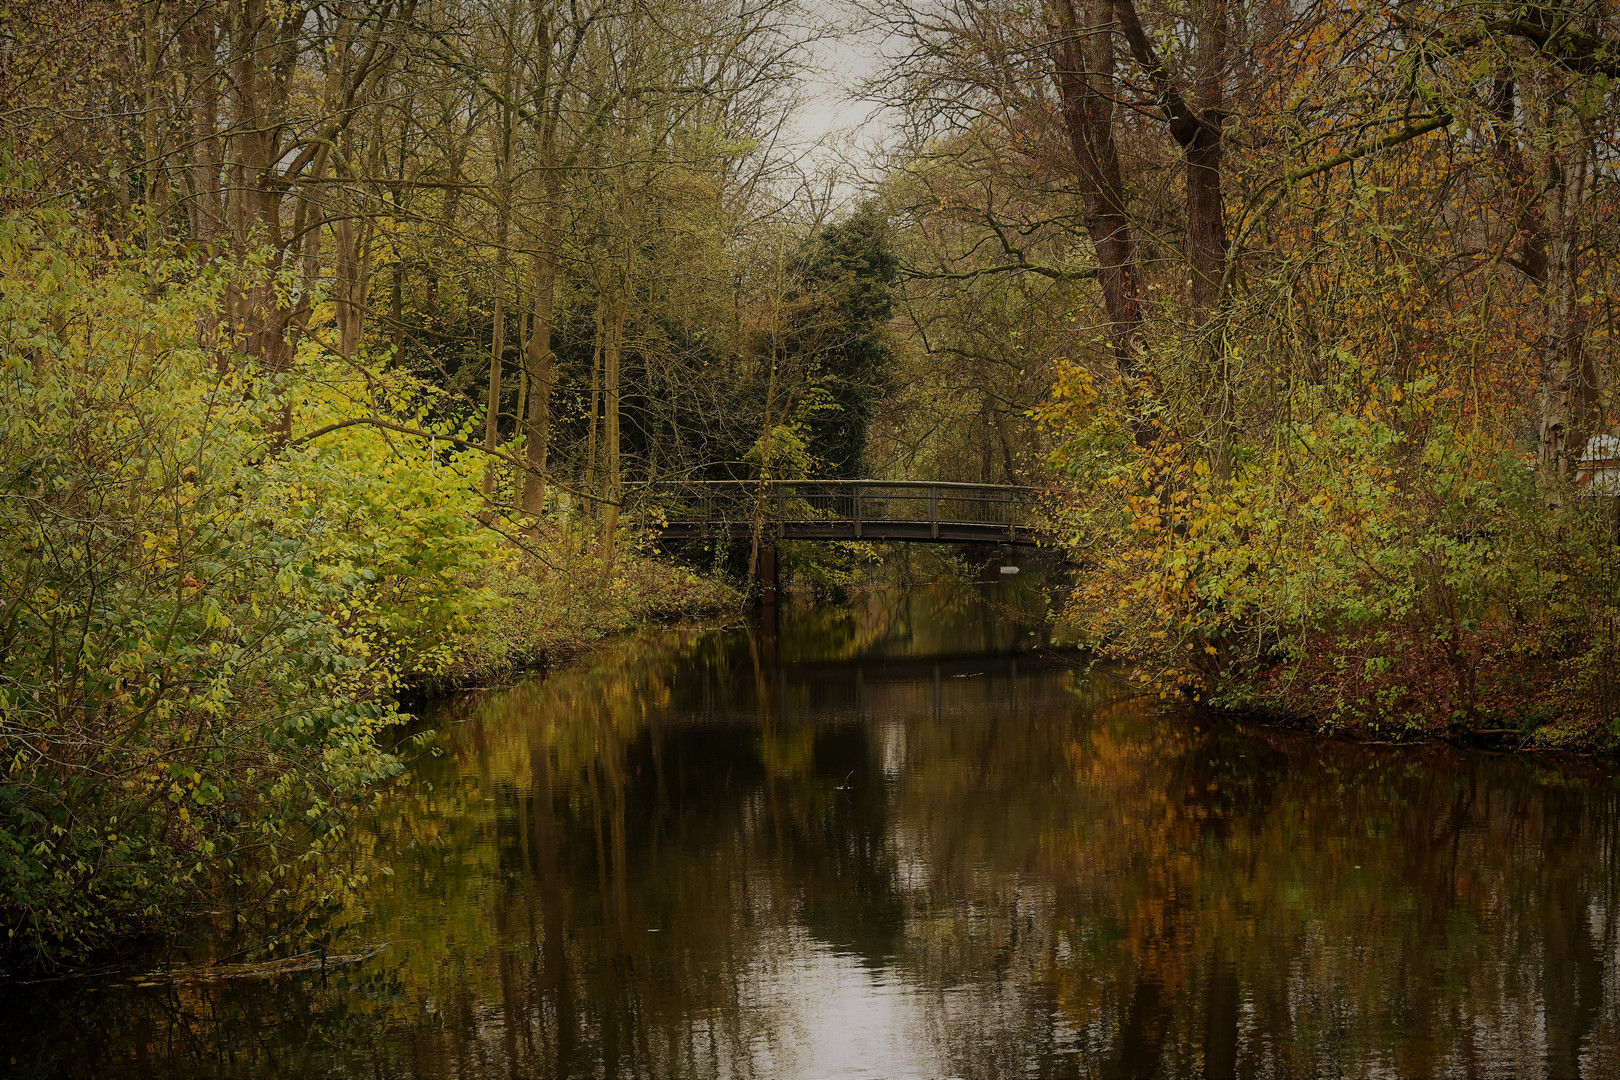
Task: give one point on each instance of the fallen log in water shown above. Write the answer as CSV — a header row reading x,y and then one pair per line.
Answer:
x,y
291,965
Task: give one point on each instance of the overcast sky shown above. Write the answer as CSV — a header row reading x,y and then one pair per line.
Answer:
x,y
831,114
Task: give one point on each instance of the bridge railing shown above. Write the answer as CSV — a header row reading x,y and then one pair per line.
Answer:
x,y
853,501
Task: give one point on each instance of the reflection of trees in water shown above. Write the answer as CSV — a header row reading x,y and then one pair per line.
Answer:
x,y
1142,897
611,870
915,622
1287,907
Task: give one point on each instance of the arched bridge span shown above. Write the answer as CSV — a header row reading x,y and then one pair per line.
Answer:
x,y
910,511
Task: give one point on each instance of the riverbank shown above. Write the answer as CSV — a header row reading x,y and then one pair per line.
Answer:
x,y
1481,692
197,835
541,615
1514,687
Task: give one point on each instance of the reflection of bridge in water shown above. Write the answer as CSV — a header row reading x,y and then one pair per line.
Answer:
x,y
886,689
908,511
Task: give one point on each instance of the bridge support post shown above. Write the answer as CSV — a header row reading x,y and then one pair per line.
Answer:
x,y
767,572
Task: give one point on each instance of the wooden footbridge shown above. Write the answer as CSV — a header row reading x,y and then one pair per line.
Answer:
x,y
906,511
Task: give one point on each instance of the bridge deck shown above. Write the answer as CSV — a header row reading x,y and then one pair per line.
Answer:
x,y
878,510
945,532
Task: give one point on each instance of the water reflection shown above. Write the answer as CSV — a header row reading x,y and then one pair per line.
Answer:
x,y
896,840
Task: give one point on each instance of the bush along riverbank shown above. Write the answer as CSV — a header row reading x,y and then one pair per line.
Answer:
x,y
216,580
1368,569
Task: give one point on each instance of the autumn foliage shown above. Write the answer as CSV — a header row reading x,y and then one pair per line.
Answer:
x,y
1352,490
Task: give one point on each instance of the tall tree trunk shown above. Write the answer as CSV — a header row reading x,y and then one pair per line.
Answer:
x,y
612,355
766,447
492,413
149,123
203,157
1196,118
396,297
352,286
449,230
542,362
396,309
591,478
503,216
255,200
1088,115
1568,390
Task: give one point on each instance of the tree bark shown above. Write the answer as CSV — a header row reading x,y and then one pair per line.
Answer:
x,y
1196,119
352,285
492,413
591,478
542,361
149,123
612,354
1568,383
503,215
1196,124
1088,116
205,213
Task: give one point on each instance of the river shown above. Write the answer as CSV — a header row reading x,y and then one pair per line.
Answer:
x,y
901,837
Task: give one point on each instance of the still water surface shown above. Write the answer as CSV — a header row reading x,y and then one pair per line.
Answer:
x,y
900,839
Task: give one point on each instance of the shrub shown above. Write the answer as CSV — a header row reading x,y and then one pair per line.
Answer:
x,y
199,635
1366,564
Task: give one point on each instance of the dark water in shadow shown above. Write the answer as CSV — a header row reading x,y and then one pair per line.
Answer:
x,y
897,840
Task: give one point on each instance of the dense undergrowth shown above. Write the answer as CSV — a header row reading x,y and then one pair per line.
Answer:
x,y
1367,568
207,616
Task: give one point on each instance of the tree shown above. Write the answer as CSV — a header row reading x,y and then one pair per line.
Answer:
x,y
838,321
